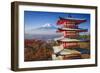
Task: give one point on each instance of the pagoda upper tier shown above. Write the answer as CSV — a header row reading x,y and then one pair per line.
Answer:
x,y
71,20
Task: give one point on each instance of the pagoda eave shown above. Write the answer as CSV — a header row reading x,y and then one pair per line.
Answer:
x,y
61,51
62,39
68,29
67,20
70,41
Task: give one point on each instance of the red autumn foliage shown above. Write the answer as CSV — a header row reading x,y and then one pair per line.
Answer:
x,y
36,50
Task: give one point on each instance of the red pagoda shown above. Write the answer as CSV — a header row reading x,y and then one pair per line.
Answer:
x,y
69,40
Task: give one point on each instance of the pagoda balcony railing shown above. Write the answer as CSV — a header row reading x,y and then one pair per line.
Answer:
x,y
70,32
71,36
71,26
71,46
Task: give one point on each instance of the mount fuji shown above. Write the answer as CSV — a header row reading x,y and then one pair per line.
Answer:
x,y
45,32
48,26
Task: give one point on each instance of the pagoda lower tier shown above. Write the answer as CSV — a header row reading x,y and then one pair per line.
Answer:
x,y
64,54
69,43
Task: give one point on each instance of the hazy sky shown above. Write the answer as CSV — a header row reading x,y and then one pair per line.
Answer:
x,y
35,19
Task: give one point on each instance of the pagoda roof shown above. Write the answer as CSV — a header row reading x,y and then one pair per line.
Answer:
x,y
70,19
57,49
68,51
61,51
69,40
71,29
63,39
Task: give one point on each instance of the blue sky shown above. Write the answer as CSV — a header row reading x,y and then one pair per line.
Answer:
x,y
35,19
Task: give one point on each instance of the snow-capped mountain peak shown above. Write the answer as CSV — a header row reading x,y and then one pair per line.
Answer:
x,y
47,25
46,31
